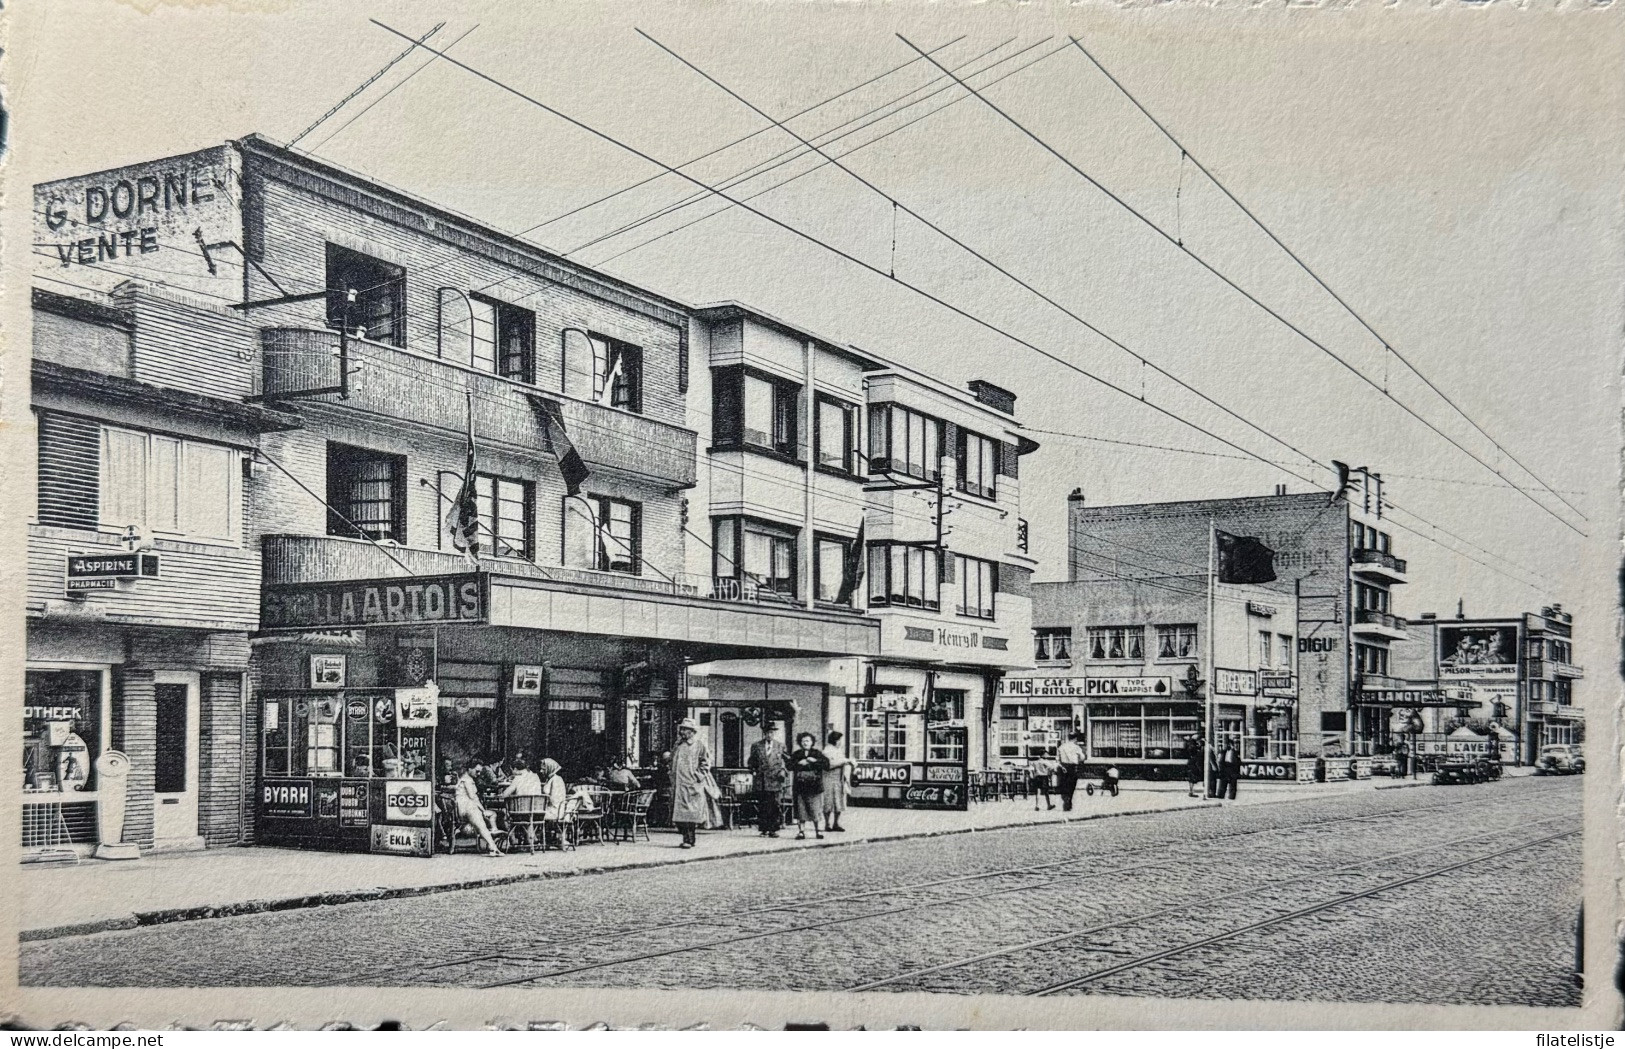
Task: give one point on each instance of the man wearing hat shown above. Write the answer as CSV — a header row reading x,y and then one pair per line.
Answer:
x,y
770,774
690,771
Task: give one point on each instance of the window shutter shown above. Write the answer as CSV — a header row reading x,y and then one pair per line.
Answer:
x,y
455,326
579,538
949,563
69,471
1009,463
577,352
682,359
727,406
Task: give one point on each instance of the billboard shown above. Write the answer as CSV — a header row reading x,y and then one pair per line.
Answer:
x,y
1478,651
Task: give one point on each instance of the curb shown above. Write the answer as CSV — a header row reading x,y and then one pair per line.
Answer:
x,y
170,915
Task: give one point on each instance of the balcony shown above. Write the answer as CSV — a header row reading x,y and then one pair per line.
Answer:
x,y
1371,623
1553,668
583,601
392,382
1377,564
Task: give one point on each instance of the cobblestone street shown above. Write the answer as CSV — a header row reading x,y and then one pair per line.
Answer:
x,y
1437,895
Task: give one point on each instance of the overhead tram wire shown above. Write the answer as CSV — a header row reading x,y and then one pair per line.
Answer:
x,y
1249,296
802,149
984,259
862,145
661,174
1386,345
945,304
849,257
365,84
331,135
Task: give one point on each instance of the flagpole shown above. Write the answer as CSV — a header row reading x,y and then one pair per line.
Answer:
x,y
1212,657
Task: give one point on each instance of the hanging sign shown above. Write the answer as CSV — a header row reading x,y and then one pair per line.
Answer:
x,y
1234,682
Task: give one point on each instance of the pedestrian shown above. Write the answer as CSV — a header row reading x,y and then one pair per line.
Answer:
x,y
807,766
768,778
471,812
1070,757
836,781
1195,763
1039,772
690,772
1229,769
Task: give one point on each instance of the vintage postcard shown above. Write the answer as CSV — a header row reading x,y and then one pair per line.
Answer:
x,y
1021,515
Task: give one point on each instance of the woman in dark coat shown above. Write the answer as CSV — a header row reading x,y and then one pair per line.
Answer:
x,y
807,766
1195,764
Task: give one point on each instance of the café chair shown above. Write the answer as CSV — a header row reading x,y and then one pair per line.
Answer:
x,y
591,820
634,815
524,820
562,827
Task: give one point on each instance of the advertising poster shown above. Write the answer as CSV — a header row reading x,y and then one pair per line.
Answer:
x,y
1478,651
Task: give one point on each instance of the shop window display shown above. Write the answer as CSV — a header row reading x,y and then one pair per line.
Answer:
x,y
62,730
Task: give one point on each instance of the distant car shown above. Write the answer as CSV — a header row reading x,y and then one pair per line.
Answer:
x,y
1560,759
1459,770
1384,765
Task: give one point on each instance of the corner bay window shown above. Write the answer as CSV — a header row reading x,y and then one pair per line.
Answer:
x,y
367,294
1370,659
836,435
975,582
903,441
754,559
750,410
977,465
170,486
366,492
617,535
1116,642
1176,641
1052,644
902,576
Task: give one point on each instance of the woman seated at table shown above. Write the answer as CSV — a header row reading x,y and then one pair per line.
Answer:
x,y
471,812
525,783
553,788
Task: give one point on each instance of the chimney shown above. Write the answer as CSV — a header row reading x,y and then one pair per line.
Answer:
x,y
1280,489
995,397
1428,616
1076,496
1461,608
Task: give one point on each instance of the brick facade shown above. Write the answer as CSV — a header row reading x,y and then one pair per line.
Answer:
x,y
135,732
221,780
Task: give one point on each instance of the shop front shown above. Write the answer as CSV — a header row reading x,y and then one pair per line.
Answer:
x,y
916,736
1138,725
494,683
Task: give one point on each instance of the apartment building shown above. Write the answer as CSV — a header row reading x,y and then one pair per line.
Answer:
x,y
1334,555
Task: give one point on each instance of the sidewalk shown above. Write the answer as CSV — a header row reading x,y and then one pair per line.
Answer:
x,y
95,896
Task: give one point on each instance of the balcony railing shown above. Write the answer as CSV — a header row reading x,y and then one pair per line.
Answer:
x,y
1380,562
389,381
1380,622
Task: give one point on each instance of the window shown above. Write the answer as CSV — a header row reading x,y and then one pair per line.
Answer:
x,y
617,542
977,464
903,576
170,486
754,411
877,735
1265,643
829,568
1370,659
506,519
1286,650
366,491
977,579
836,435
1176,641
1116,642
945,745
366,294
617,373
903,441
1052,645
58,704
1134,730
754,559
503,339
947,704
1371,598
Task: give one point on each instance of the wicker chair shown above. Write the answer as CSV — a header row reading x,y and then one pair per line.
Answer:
x,y
634,816
591,820
562,827
525,821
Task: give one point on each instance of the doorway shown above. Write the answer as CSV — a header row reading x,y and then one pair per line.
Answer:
x,y
175,759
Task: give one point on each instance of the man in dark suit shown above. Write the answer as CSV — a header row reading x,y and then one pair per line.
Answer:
x,y
769,776
1229,769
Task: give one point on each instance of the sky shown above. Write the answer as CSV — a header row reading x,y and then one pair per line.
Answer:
x,y
1452,174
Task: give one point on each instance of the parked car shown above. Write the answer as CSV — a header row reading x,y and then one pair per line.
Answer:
x,y
1384,765
1459,770
1559,759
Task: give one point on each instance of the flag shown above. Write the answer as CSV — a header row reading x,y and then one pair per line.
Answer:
x,y
1343,484
571,465
852,569
1243,559
463,519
